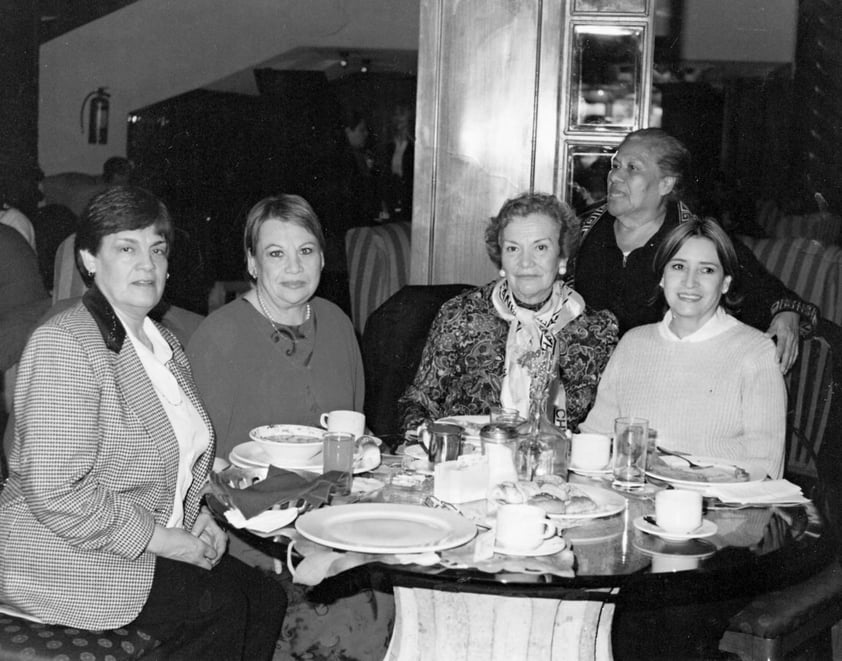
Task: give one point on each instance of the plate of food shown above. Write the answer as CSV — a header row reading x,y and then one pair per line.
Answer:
x,y
677,471
562,500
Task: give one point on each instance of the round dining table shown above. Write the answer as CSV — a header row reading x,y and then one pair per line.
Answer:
x,y
631,595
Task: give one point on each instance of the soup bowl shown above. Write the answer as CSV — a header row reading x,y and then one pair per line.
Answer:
x,y
290,445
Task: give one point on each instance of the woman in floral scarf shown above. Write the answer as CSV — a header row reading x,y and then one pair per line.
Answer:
x,y
483,341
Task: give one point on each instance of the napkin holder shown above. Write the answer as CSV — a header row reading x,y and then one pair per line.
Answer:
x,y
462,480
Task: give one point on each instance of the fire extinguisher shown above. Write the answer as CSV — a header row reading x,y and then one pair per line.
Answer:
x,y
97,116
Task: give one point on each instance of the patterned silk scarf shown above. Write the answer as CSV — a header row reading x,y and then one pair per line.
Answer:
x,y
530,331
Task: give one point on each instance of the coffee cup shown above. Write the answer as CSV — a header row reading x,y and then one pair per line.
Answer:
x,y
590,452
678,511
522,527
351,422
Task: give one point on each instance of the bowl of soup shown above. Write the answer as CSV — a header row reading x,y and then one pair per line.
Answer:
x,y
290,445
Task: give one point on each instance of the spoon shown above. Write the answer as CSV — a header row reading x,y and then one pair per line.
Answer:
x,y
681,455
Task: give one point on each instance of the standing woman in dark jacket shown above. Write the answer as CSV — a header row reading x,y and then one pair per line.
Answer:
x,y
613,268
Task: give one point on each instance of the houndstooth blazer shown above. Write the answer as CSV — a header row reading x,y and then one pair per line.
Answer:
x,y
92,470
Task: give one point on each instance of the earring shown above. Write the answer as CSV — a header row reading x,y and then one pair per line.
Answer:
x,y
562,269
91,274
168,276
502,273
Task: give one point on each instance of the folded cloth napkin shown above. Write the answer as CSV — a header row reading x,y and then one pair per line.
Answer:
x,y
766,492
280,486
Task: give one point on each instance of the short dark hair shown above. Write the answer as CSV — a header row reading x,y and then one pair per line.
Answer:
x,y
705,228
118,209
528,203
116,166
286,208
674,158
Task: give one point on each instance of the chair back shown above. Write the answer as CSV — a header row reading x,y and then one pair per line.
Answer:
x,y
809,401
392,344
67,281
809,268
378,266
821,225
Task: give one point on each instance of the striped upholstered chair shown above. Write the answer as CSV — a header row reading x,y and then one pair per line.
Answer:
x,y
798,619
821,225
808,267
378,266
810,398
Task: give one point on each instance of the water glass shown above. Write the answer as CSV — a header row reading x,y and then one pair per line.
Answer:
x,y
631,439
502,415
338,455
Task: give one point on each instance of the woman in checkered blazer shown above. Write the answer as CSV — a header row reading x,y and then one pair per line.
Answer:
x,y
101,521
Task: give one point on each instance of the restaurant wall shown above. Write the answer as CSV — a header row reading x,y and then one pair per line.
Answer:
x,y
156,49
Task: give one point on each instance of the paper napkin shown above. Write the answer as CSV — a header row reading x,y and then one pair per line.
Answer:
x,y
766,492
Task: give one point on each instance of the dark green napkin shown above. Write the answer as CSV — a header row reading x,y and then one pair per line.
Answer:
x,y
280,486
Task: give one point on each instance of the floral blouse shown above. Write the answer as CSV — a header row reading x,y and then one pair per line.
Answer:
x,y
464,359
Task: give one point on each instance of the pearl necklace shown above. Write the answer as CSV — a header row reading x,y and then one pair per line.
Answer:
x,y
279,329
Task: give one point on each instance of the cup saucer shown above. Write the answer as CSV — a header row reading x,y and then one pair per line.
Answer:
x,y
707,529
547,547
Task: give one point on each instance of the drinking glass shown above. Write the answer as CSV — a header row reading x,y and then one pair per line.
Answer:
x,y
502,415
338,455
631,439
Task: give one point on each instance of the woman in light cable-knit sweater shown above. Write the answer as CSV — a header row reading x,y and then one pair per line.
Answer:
x,y
708,383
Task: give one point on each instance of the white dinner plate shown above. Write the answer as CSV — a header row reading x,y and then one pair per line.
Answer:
x,y
686,482
707,529
252,454
608,504
547,547
386,528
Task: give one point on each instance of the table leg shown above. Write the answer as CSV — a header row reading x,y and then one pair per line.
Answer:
x,y
432,624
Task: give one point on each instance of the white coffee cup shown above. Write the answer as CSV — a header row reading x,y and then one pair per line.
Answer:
x,y
678,510
344,421
590,452
522,527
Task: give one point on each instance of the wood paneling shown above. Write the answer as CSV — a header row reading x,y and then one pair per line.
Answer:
x,y
486,125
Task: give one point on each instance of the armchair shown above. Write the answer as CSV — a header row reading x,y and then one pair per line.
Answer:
x,y
392,344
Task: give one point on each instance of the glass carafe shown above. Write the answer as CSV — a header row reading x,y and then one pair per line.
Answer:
x,y
544,448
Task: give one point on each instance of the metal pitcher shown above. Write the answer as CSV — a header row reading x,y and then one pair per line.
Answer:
x,y
442,442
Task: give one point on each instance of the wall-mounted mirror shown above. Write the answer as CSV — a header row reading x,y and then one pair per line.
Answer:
x,y
606,77
610,6
587,168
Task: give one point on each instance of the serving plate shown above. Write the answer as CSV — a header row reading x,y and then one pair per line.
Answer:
x,y
608,504
386,528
